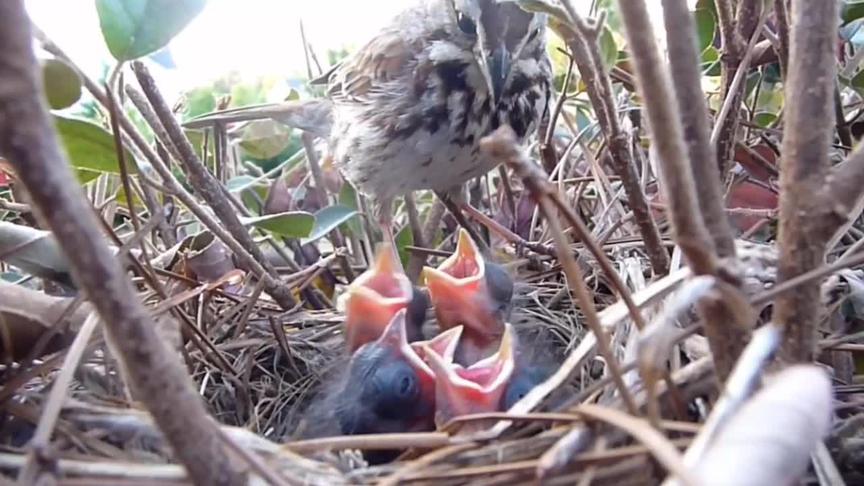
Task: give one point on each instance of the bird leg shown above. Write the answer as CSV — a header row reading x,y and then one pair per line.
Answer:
x,y
455,208
385,222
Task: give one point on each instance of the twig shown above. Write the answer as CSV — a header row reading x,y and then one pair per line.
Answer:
x,y
806,211
678,184
688,226
686,75
502,146
209,188
155,373
582,42
734,98
781,15
54,402
736,28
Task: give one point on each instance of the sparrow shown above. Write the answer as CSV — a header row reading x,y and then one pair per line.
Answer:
x,y
466,290
407,110
376,295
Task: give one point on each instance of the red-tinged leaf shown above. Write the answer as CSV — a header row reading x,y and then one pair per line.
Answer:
x,y
749,195
760,162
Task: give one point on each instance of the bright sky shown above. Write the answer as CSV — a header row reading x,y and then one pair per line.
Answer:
x,y
253,37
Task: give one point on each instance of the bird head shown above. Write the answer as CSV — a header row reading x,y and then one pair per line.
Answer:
x,y
478,388
374,297
498,31
466,290
389,387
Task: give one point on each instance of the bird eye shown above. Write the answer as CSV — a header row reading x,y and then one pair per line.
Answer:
x,y
466,25
396,388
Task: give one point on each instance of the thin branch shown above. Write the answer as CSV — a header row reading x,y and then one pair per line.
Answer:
x,y
686,75
726,341
688,226
209,188
781,15
502,146
28,140
805,210
735,32
581,39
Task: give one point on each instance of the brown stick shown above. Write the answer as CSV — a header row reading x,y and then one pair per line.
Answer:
x,y
684,61
691,235
209,188
582,42
805,210
28,140
736,29
688,226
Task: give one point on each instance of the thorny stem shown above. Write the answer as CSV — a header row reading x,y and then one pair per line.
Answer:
x,y
28,140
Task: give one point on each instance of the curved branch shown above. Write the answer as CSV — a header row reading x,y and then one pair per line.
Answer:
x,y
28,140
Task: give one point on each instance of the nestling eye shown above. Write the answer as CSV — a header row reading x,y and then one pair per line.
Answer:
x,y
466,25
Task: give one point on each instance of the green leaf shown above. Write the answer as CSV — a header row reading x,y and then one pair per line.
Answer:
x,y
297,224
608,47
404,238
328,219
764,119
89,146
239,183
135,28
711,62
852,10
705,26
62,84
264,139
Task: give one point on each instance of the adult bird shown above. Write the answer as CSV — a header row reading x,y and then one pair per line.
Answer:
x,y
407,110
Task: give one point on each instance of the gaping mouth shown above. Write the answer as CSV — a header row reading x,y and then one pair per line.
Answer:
x,y
374,298
476,389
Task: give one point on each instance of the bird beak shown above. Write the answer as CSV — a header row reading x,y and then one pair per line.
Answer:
x,y
476,389
459,293
443,345
394,337
495,65
374,298
499,69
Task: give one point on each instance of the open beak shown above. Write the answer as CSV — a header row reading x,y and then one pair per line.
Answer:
x,y
374,298
459,292
475,389
443,345
389,387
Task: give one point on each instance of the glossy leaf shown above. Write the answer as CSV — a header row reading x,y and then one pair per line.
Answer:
x,y
62,84
34,251
705,26
852,10
264,139
608,47
296,224
89,146
135,28
328,219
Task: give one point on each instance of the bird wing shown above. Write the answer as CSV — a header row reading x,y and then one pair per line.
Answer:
x,y
384,59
